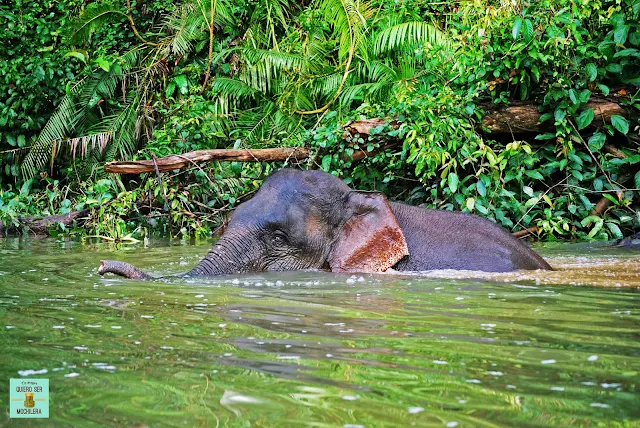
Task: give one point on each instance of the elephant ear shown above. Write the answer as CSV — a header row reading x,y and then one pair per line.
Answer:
x,y
371,240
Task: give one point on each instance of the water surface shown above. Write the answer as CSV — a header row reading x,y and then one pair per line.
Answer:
x,y
314,349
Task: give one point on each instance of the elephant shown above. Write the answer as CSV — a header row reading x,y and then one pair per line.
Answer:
x,y
309,219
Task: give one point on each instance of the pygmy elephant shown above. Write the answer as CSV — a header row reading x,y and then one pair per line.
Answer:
x,y
313,220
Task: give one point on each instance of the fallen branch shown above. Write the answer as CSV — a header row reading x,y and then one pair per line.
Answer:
x,y
526,117
525,232
363,126
516,119
602,205
169,163
39,225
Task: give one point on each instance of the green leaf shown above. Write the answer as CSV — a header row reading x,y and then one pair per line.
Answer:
x,y
26,187
592,71
596,227
559,114
572,96
577,174
632,80
534,174
584,96
603,88
78,55
171,87
481,188
620,123
470,109
103,64
470,204
546,136
528,30
528,191
585,118
517,25
326,162
596,141
615,230
614,68
620,34
636,179
545,117
453,181
532,201
481,208
589,219
598,184
627,52
182,83
586,202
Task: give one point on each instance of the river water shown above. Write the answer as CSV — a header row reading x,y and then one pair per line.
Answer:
x,y
441,349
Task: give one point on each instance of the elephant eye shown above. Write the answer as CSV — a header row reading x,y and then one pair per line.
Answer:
x,y
278,238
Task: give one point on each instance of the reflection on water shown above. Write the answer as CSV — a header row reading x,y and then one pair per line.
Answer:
x,y
317,349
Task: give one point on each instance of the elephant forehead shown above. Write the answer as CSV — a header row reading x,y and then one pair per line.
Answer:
x,y
312,181
296,196
289,196
268,208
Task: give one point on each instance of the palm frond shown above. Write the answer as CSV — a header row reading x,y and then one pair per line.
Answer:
x,y
190,24
93,17
232,88
226,186
57,128
408,35
122,126
349,20
97,141
275,60
185,26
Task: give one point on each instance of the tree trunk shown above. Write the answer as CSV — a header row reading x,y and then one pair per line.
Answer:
x,y
172,162
516,119
526,117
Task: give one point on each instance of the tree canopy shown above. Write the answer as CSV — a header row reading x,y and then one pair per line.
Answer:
x,y
84,84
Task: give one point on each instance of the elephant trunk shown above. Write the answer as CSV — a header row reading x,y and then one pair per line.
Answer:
x,y
122,269
233,253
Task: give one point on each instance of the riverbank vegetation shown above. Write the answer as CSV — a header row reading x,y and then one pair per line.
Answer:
x,y
525,112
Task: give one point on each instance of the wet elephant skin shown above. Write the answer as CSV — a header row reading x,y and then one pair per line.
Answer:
x,y
313,220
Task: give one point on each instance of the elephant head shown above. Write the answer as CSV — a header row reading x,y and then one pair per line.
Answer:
x,y
301,220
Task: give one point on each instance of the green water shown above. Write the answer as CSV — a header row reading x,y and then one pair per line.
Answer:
x,y
316,349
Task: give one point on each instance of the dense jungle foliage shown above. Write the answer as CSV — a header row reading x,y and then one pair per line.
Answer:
x,y
83,83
